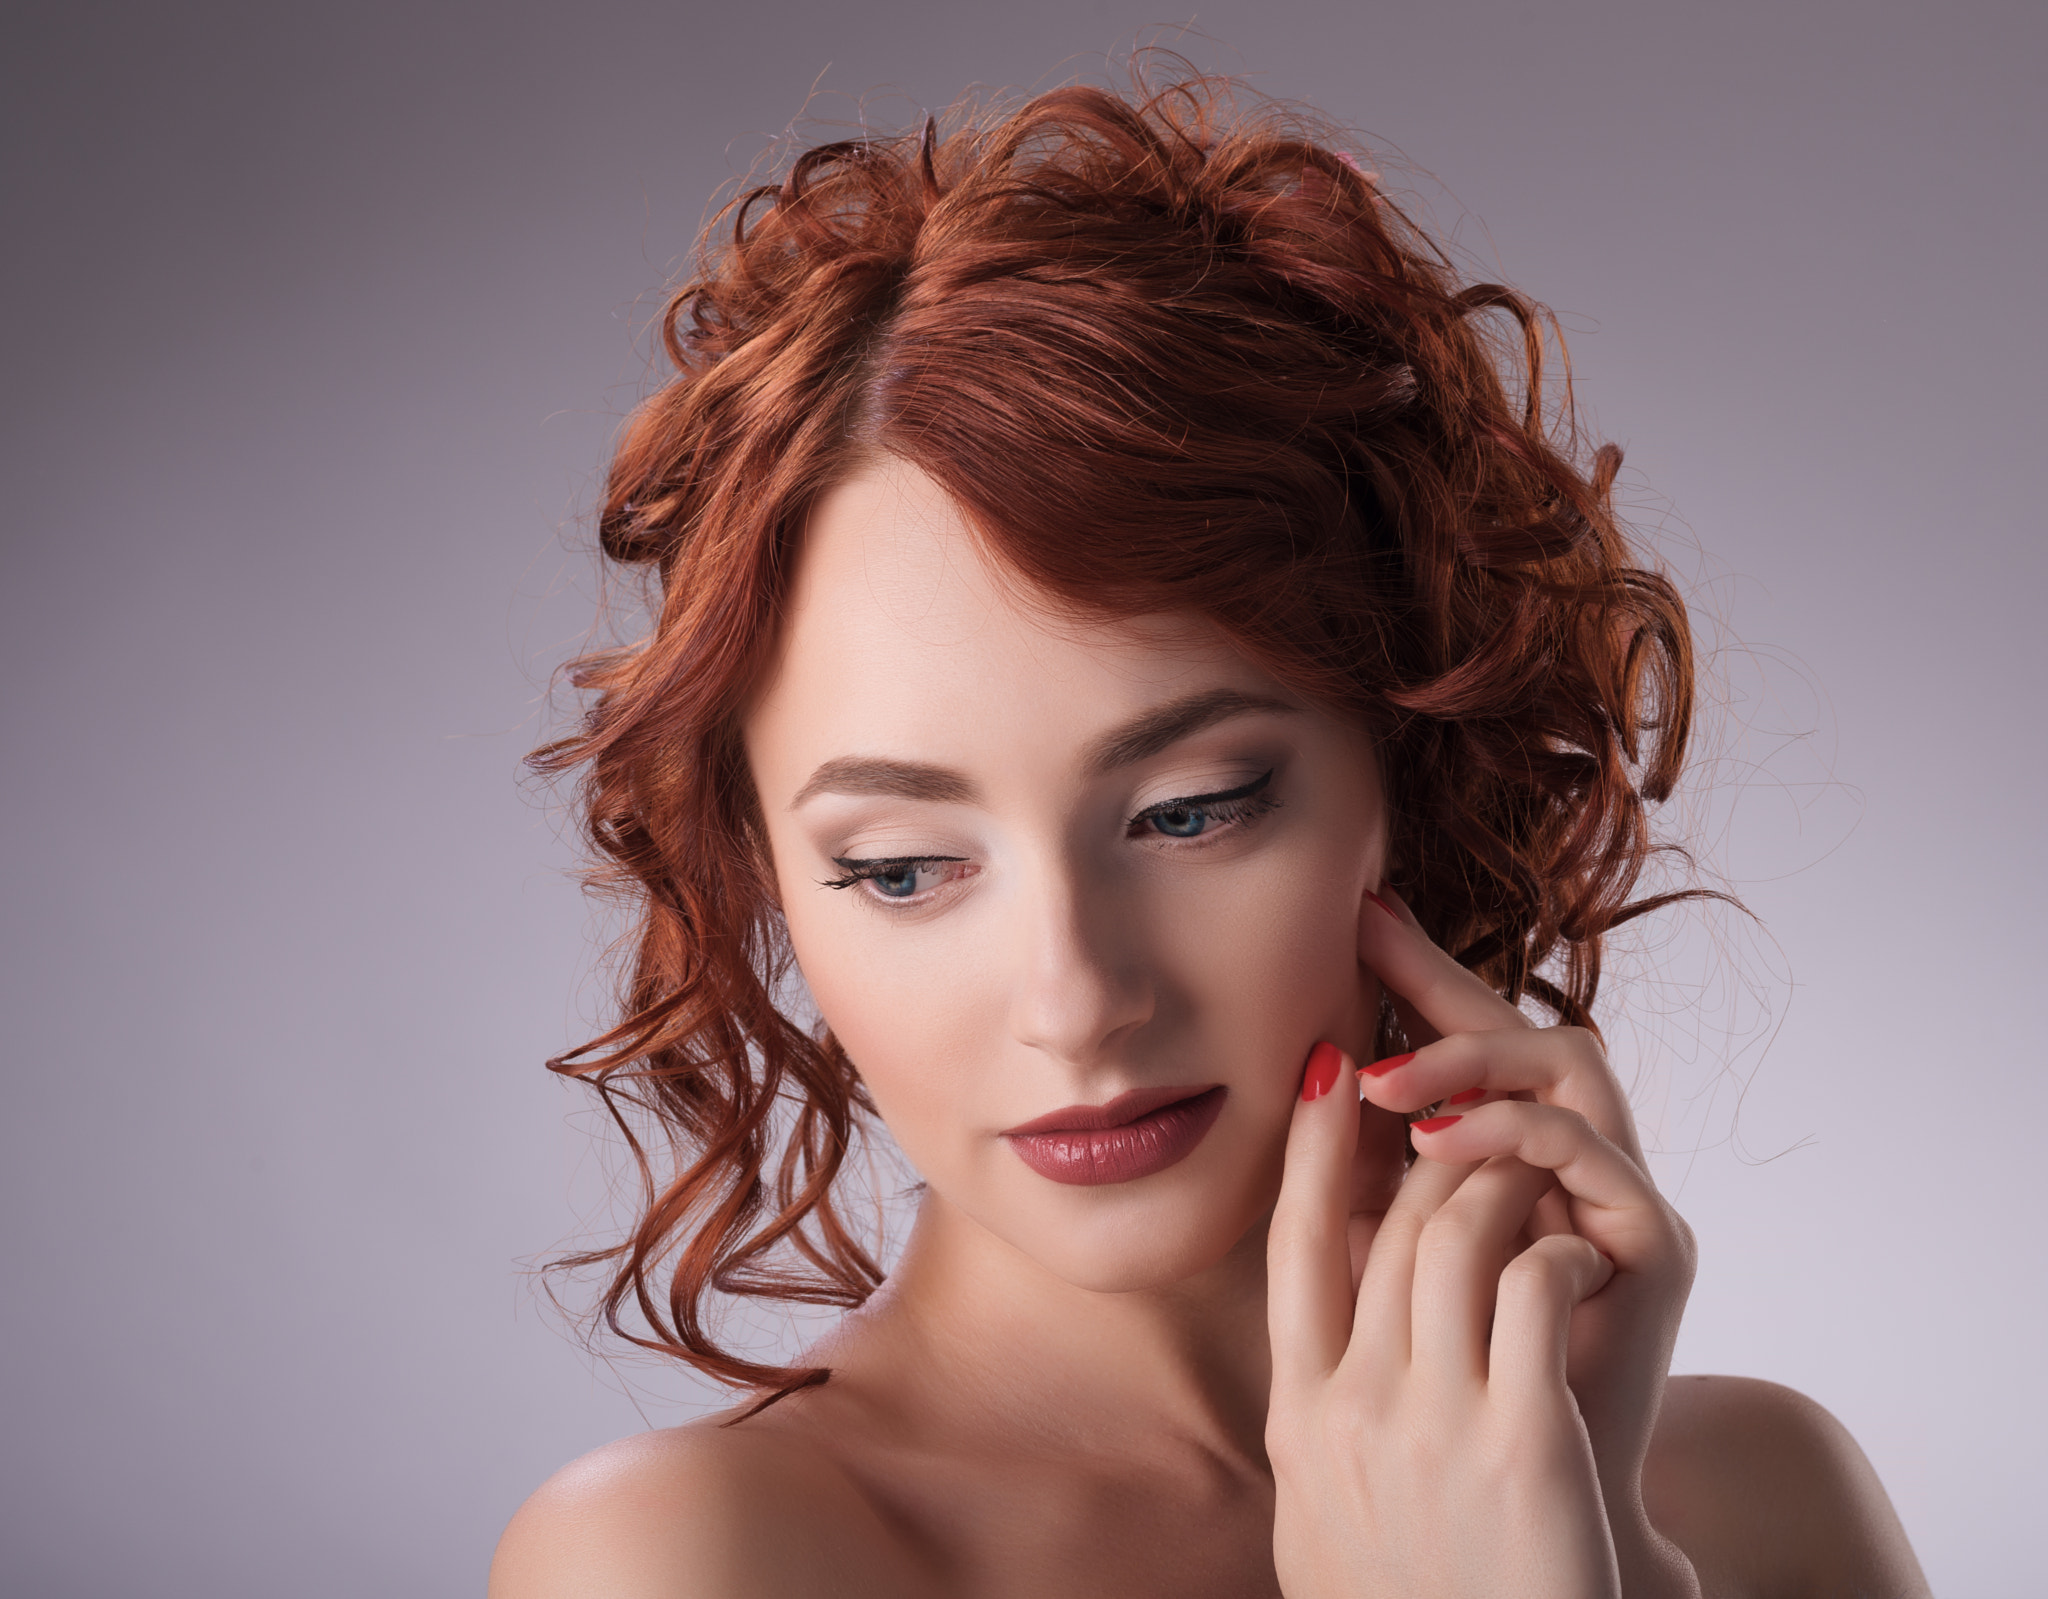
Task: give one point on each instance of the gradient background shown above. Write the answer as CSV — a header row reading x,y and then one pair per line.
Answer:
x,y
318,321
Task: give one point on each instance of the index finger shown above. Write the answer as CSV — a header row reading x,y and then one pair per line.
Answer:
x,y
1308,1254
1392,944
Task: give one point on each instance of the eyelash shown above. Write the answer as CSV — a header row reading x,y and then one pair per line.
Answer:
x,y
1237,806
862,871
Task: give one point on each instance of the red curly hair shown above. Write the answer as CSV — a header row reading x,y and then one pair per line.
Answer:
x,y
1169,351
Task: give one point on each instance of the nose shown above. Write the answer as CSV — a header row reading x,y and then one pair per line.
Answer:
x,y
1083,983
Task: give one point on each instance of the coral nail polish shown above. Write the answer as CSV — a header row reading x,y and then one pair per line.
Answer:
x,y
1383,905
1435,1124
1321,1076
1380,1068
1467,1097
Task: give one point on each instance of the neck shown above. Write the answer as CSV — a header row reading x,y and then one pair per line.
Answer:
x,y
967,1322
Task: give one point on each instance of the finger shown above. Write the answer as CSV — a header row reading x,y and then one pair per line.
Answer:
x,y
1308,1256
1382,1327
1450,999
1379,1166
1458,1264
1553,1213
1559,1065
1533,1311
1612,1202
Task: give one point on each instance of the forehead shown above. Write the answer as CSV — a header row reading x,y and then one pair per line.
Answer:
x,y
902,637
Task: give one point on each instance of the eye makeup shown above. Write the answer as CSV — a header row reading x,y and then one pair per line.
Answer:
x,y
1186,819
892,876
1192,815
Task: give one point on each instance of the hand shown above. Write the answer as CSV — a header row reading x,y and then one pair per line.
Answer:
x,y
1567,1114
1474,1422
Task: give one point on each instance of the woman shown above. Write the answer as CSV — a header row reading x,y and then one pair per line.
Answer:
x,y
1134,633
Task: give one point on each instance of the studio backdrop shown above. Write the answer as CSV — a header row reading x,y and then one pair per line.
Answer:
x,y
319,321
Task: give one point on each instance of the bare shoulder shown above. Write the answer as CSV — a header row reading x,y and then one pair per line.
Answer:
x,y
700,1512
1769,1496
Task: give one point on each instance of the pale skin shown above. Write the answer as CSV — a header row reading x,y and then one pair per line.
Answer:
x,y
1280,1365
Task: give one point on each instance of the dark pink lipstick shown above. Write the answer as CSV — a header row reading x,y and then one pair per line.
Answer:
x,y
1134,1135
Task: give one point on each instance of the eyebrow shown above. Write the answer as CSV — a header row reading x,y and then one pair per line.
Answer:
x,y
1139,739
865,774
1165,726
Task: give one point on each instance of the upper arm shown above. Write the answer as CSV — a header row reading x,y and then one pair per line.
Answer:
x,y
1770,1496
695,1514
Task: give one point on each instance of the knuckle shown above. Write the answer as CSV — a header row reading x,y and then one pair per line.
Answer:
x,y
1569,1125
1304,1435
1450,1233
1350,1425
1400,1231
1286,1250
1686,1244
1531,1278
1459,1049
1586,1054
1550,1265
1284,1439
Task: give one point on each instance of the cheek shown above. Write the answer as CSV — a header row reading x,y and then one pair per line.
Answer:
x,y
906,1013
1274,954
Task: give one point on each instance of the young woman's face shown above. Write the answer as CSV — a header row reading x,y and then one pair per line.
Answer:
x,y
1097,881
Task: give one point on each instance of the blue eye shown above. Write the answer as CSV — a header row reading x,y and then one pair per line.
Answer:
x,y
897,882
1192,815
900,877
1180,821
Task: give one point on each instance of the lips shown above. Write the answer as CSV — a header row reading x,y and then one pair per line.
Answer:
x,y
1134,1135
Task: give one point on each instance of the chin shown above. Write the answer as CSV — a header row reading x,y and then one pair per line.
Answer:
x,y
1138,1237
1133,1264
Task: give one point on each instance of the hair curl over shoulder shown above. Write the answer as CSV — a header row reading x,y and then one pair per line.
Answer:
x,y
1271,401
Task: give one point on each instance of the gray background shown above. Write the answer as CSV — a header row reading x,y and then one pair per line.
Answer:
x,y
318,320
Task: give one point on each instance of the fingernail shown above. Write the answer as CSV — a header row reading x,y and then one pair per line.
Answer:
x,y
1321,1076
1434,1124
1380,1068
1383,905
1467,1097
